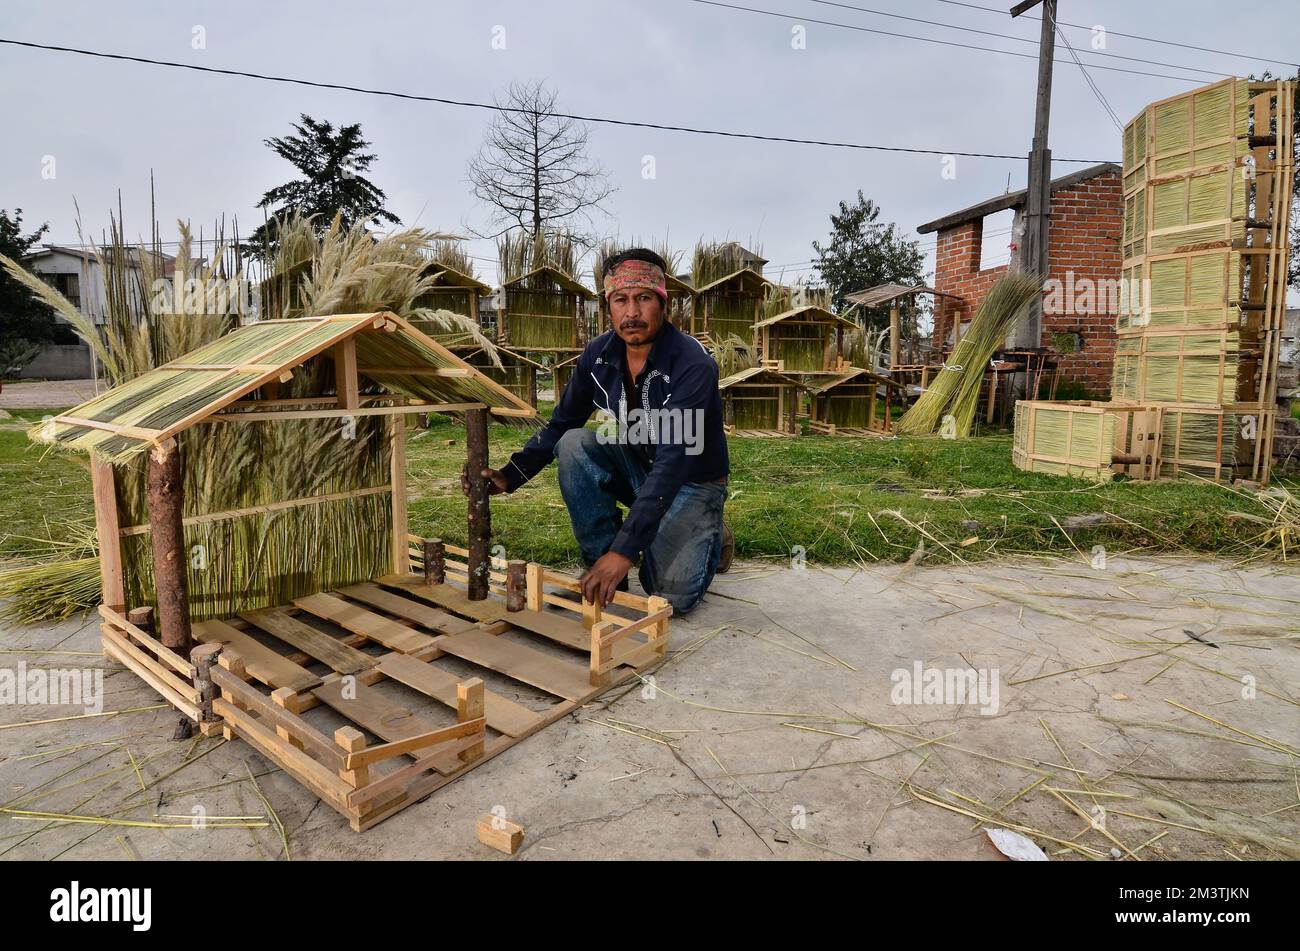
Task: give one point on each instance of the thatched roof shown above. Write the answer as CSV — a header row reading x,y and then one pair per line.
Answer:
x,y
884,293
558,277
157,405
743,276
859,374
809,313
759,375
449,275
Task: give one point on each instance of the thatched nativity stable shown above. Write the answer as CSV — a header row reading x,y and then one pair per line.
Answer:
x,y
730,306
760,402
454,291
802,340
303,596
544,311
846,405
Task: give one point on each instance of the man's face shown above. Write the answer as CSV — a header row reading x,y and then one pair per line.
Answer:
x,y
636,313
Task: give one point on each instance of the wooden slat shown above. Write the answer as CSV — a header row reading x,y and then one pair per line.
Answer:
x,y
261,663
404,607
236,691
179,686
148,642
562,678
295,762
503,715
392,634
564,630
103,482
164,689
328,650
447,596
375,713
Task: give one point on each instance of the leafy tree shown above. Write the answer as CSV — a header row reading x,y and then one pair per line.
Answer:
x,y
533,168
863,252
331,162
24,321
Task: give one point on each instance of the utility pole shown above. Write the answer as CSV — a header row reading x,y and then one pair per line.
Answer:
x,y
1038,195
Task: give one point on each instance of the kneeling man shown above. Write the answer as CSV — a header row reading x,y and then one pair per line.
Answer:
x,y
659,449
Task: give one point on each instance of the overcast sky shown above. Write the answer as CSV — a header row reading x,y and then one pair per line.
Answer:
x,y
678,62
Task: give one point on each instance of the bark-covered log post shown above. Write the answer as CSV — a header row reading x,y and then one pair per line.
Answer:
x,y
434,553
480,518
516,584
166,498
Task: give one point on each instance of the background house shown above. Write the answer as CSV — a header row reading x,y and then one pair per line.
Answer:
x,y
1087,223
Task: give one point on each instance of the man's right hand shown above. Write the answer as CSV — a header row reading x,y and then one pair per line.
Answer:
x,y
496,480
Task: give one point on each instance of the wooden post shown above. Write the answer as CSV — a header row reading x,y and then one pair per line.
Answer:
x,y
345,374
601,653
166,498
435,561
352,740
469,706
203,657
480,517
286,698
535,582
397,480
895,328
142,617
794,411
516,584
104,484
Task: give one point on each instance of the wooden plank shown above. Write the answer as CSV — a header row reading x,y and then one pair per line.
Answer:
x,y
295,762
444,595
147,641
181,687
392,634
263,664
103,482
328,650
404,607
397,478
503,714
234,690
558,677
562,630
164,689
390,721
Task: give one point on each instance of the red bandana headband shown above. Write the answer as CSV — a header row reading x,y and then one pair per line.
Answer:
x,y
628,274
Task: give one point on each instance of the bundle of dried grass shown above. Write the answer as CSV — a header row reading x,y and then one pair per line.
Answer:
x,y
955,391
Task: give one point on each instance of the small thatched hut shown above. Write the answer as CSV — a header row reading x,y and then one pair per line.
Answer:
x,y
760,402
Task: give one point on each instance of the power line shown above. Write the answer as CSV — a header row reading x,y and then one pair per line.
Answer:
x,y
264,77
926,39
1131,36
1008,36
1096,91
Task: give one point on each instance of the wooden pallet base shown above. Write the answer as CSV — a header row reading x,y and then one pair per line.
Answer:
x,y
858,432
372,654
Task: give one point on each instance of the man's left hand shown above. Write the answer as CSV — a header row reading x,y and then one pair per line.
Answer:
x,y
602,579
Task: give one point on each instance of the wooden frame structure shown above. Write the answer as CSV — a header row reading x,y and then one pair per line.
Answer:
x,y
799,340
255,673
730,305
454,291
517,373
770,403
537,305
851,397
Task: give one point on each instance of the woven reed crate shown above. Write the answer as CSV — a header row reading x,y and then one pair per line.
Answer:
x,y
1179,366
1218,443
1086,439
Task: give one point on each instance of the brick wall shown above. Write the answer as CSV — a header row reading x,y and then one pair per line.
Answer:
x,y
1084,248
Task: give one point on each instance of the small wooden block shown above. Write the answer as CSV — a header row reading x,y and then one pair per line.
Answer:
x,y
501,834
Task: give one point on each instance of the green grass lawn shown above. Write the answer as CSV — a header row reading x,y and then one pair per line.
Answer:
x,y
837,499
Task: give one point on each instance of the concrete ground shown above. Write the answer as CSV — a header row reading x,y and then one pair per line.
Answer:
x,y
1147,706
46,394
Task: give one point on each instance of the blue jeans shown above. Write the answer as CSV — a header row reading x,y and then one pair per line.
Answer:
x,y
680,563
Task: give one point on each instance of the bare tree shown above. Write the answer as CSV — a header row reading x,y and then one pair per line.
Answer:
x,y
533,167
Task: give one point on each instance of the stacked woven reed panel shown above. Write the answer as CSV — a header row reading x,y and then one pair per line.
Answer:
x,y
1203,294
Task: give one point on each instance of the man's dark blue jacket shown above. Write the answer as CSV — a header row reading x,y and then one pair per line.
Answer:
x,y
679,374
